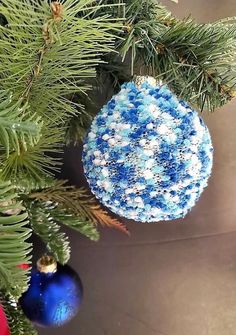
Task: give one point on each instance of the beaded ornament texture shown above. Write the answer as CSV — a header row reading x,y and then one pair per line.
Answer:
x,y
147,156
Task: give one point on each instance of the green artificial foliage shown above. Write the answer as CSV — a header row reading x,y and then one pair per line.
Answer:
x,y
17,322
14,246
75,208
47,52
56,57
46,227
194,59
18,127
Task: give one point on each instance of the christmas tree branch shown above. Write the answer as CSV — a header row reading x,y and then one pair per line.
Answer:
x,y
47,56
14,247
37,162
17,322
78,202
45,226
76,222
48,36
45,215
17,127
196,60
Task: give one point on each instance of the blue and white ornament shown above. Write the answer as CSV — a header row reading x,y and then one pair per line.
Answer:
x,y
148,156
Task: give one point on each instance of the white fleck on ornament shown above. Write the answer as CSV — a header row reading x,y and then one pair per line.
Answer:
x,y
111,141
96,161
97,153
142,142
105,172
163,129
150,126
105,137
148,174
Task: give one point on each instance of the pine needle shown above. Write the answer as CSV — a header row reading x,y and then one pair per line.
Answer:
x,y
106,220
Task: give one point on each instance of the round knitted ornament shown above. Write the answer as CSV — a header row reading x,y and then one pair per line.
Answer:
x,y
148,155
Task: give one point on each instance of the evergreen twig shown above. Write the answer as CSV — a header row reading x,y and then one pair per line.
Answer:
x,y
78,202
44,225
14,246
196,60
17,322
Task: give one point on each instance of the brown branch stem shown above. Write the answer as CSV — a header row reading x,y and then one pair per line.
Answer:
x,y
56,11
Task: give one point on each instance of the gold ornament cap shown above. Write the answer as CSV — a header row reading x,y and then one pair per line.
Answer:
x,y
139,80
47,264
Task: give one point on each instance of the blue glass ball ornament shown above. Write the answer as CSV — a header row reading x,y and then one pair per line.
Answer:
x,y
148,155
54,295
